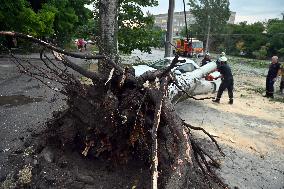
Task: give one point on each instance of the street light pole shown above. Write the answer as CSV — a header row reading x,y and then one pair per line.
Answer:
x,y
208,34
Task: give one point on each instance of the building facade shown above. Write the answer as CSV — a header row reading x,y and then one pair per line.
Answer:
x,y
178,22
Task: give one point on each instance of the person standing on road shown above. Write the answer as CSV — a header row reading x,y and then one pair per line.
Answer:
x,y
227,80
206,59
80,44
274,70
282,78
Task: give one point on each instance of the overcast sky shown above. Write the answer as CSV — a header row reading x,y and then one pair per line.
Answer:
x,y
246,10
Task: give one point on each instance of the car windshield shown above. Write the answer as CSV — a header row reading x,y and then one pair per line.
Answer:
x,y
189,67
197,44
160,63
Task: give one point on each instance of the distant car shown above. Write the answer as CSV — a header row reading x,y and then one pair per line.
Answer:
x,y
182,70
91,42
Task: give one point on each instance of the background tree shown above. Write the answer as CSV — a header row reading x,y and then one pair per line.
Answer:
x,y
44,18
136,30
248,38
21,17
275,33
213,13
69,15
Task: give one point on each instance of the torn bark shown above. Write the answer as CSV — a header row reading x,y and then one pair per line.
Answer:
x,y
161,93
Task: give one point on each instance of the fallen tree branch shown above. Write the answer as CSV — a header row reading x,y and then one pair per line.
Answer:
x,y
199,153
79,69
152,75
190,96
203,130
50,46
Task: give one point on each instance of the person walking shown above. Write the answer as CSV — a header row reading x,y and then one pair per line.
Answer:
x,y
80,44
274,70
227,80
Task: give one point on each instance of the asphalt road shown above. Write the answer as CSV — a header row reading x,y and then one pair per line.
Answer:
x,y
25,105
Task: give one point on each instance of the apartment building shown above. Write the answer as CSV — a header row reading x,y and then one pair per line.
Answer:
x,y
178,22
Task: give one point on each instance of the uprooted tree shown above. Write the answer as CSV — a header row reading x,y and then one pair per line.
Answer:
x,y
120,116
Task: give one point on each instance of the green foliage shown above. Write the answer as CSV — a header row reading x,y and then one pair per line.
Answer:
x,y
248,61
216,12
21,17
65,20
261,53
257,40
259,90
87,30
275,32
281,52
135,29
248,39
277,99
60,17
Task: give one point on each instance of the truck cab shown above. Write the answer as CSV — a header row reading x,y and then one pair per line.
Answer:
x,y
188,49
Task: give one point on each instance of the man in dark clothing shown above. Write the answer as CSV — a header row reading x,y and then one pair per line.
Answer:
x,y
227,80
205,60
282,78
274,70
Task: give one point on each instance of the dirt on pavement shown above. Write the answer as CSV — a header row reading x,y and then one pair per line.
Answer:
x,y
251,131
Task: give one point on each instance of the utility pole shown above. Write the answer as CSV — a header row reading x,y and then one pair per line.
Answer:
x,y
208,34
169,35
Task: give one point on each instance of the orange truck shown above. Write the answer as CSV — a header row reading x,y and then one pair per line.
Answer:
x,y
192,49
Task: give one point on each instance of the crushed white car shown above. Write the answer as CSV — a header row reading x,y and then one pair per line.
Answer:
x,y
191,77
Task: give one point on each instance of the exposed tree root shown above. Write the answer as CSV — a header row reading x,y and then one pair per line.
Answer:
x,y
121,117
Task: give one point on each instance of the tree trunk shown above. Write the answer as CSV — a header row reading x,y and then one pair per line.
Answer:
x,y
108,13
169,35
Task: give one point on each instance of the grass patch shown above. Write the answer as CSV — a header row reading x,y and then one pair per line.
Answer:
x,y
277,99
71,46
259,90
243,95
241,60
92,48
250,62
